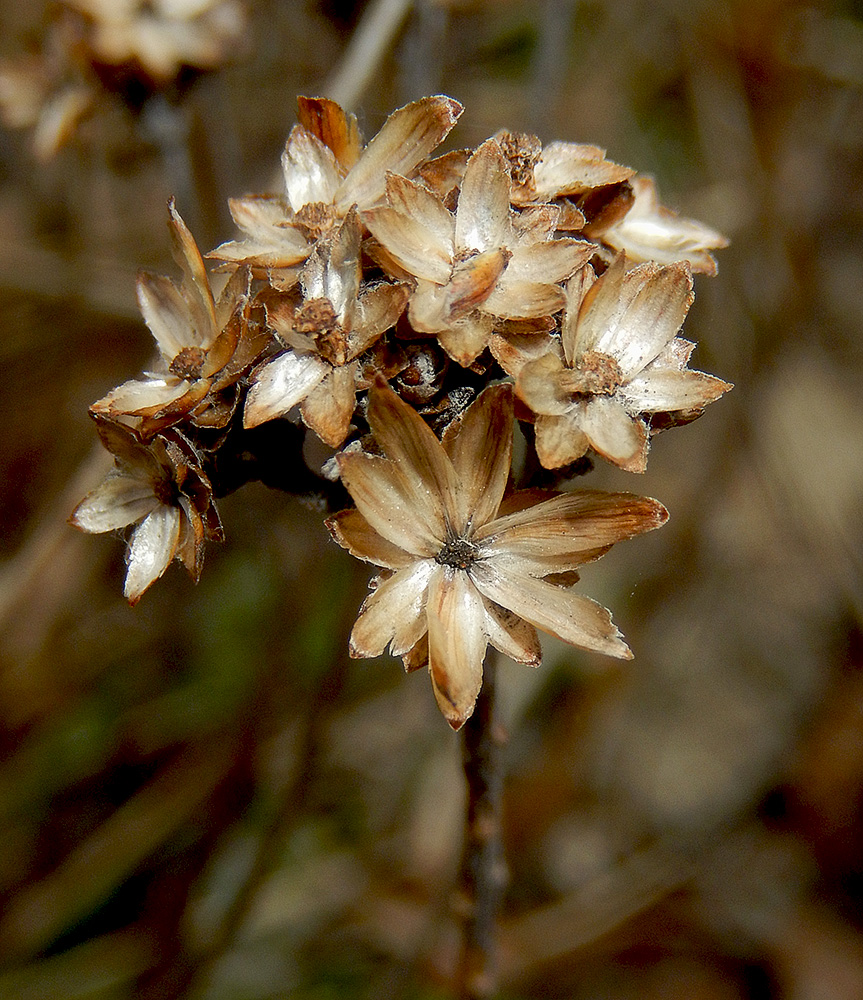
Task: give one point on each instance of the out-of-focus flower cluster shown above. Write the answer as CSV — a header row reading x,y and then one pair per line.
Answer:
x,y
404,308
132,47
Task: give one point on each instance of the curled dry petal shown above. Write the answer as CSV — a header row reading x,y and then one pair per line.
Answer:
x,y
153,546
279,384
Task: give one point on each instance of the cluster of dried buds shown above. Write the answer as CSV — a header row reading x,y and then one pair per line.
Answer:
x,y
133,47
405,309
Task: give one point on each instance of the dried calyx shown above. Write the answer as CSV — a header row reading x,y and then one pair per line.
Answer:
x,y
401,308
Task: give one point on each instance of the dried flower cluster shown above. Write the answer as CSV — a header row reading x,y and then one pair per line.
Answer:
x,y
134,47
404,309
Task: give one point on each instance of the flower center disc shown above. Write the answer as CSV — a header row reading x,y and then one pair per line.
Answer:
x,y
458,553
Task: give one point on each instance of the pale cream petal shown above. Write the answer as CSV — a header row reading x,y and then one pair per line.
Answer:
x,y
280,383
539,385
554,535
603,305
566,168
151,548
515,299
417,202
511,635
310,170
535,224
395,612
379,309
549,262
560,439
258,215
664,391
393,504
354,533
406,138
328,408
119,500
479,445
513,351
482,217
428,307
616,435
473,281
575,619
466,338
406,439
166,313
652,316
136,397
576,289
342,273
410,244
287,248
457,643
196,285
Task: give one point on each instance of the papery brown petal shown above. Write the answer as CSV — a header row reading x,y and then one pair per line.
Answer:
x,y
577,620
473,281
151,549
394,613
554,534
479,444
417,202
406,138
511,635
515,299
190,545
457,643
394,503
223,348
328,408
336,129
410,243
513,351
353,532
567,168
560,439
116,502
466,338
658,391
166,313
310,170
379,309
550,261
418,655
279,384
482,218
576,289
616,435
406,439
535,224
197,284
444,173
539,385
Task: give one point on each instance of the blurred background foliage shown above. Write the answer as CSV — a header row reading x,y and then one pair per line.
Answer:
x,y
203,797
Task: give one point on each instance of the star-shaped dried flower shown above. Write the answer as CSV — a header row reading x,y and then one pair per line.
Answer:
x,y
649,231
479,264
325,334
326,173
462,567
160,488
619,362
205,345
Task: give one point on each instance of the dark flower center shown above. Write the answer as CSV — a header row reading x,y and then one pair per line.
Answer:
x,y
595,374
188,363
458,553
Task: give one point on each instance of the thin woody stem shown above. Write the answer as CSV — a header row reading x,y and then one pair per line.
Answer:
x,y
483,872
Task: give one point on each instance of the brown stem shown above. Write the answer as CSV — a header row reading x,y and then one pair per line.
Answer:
x,y
483,871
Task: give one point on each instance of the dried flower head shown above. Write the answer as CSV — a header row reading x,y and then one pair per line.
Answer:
x,y
463,567
161,488
618,362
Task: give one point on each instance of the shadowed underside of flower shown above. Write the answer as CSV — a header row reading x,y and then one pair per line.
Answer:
x,y
463,566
